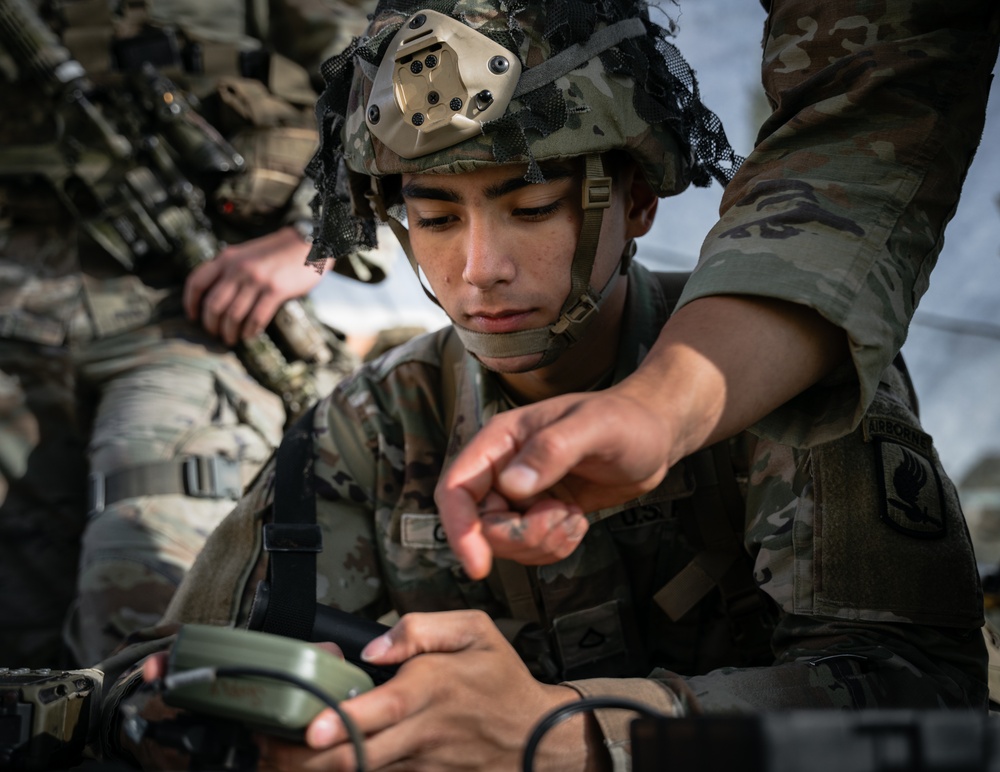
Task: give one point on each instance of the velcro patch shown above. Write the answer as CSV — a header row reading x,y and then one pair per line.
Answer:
x,y
912,499
420,530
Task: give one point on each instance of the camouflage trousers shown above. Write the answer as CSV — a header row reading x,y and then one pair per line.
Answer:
x,y
162,393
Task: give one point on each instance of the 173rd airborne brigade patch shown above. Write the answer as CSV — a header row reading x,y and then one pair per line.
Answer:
x,y
912,499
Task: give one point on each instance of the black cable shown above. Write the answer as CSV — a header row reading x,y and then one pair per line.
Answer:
x,y
587,704
210,673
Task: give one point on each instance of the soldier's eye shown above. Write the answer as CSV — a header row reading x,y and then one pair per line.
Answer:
x,y
435,223
538,212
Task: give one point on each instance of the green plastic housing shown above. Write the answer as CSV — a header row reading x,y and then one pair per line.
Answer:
x,y
265,704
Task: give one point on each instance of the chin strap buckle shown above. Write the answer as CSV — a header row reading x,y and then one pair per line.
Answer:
x,y
585,306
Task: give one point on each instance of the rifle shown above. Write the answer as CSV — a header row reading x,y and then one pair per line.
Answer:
x,y
125,165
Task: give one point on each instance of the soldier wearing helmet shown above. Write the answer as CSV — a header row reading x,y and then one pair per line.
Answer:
x,y
518,150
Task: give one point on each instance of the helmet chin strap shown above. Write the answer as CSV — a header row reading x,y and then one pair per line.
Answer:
x,y
582,304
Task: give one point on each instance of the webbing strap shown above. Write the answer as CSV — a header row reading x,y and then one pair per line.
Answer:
x,y
514,582
722,543
578,55
596,197
258,20
743,600
292,539
202,477
720,511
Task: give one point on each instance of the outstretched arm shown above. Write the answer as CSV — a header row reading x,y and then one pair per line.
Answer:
x,y
720,364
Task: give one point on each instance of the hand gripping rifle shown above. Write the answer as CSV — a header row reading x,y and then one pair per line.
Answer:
x,y
125,169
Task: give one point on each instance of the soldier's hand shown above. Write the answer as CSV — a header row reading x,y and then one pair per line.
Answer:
x,y
462,699
550,462
236,295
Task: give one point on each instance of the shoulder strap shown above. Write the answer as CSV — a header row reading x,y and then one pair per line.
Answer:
x,y
508,579
452,356
293,539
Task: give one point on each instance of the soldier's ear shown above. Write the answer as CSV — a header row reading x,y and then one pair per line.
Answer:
x,y
640,202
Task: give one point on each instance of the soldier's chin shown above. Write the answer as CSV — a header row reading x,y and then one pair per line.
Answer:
x,y
510,365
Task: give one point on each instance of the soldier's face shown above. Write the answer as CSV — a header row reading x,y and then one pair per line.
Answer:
x,y
497,250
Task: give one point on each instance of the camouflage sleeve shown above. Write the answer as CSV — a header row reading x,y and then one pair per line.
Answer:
x,y
878,108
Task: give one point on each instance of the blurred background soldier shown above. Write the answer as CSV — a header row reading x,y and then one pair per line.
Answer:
x,y
129,420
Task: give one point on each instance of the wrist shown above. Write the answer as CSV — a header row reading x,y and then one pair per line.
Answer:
x,y
575,744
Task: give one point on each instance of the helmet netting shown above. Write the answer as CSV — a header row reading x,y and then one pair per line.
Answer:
x,y
668,95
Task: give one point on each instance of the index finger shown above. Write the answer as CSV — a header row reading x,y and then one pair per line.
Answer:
x,y
537,440
460,491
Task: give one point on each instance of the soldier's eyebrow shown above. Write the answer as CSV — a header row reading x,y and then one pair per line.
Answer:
x,y
502,188
416,190
552,172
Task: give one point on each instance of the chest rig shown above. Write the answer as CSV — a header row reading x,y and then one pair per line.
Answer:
x,y
647,609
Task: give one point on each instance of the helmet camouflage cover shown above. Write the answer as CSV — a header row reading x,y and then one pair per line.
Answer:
x,y
594,76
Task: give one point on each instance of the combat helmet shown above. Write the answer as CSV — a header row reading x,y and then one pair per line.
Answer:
x,y
449,86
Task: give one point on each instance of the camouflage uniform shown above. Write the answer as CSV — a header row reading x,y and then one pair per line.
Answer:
x,y
100,371
866,584
810,631
878,108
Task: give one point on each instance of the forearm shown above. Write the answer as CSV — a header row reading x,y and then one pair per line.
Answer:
x,y
722,363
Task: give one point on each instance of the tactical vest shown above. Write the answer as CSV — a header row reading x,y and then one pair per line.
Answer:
x,y
704,494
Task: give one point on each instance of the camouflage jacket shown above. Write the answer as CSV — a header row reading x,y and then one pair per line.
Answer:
x,y
802,628
878,108
43,265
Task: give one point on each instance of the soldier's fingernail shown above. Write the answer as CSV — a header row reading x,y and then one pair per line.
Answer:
x,y
323,730
575,526
520,478
376,648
